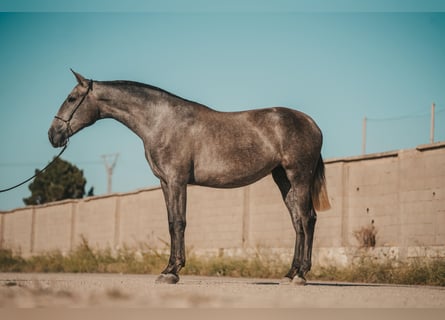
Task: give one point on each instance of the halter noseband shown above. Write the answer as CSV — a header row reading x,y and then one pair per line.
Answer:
x,y
90,88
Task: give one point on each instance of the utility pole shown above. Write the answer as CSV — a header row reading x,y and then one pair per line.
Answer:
x,y
110,163
433,107
364,136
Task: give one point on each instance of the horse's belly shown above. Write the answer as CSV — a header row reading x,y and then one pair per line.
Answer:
x,y
229,176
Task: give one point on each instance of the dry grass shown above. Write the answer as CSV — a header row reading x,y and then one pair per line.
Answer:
x,y
261,265
366,236
86,260
416,272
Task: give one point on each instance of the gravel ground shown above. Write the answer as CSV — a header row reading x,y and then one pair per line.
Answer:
x,y
116,290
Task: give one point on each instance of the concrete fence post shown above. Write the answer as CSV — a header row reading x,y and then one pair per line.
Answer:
x,y
400,239
364,136
2,230
344,205
33,230
117,223
73,222
246,217
433,107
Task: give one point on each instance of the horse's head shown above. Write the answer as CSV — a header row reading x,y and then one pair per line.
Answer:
x,y
77,112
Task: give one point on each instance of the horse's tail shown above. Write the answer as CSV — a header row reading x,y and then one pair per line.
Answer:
x,y
320,199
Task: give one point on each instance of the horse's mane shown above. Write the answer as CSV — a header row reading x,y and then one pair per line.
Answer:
x,y
137,86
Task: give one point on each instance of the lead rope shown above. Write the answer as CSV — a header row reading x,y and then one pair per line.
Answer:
x,y
90,87
38,172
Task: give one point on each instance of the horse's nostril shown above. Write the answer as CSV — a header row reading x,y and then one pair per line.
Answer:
x,y
53,137
50,135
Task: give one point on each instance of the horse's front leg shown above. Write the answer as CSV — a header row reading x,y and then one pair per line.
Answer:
x,y
175,198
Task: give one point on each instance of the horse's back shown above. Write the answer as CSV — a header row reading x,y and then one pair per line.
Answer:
x,y
275,126
280,126
241,147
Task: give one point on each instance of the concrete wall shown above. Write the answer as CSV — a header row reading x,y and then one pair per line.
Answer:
x,y
401,192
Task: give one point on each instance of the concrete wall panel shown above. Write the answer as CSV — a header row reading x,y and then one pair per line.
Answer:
x,y
53,227
95,221
17,231
270,225
143,219
214,218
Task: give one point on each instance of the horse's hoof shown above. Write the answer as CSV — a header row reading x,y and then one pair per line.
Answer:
x,y
168,278
285,280
298,281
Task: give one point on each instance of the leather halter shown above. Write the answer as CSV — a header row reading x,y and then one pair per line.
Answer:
x,y
90,88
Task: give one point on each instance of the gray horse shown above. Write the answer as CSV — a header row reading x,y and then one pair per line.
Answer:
x,y
188,143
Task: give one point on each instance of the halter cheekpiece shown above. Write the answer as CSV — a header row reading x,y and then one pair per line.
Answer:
x,y
90,88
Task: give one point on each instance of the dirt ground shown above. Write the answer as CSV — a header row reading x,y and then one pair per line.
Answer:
x,y
116,290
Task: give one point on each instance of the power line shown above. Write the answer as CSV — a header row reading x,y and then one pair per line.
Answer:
x,y
430,114
36,164
405,117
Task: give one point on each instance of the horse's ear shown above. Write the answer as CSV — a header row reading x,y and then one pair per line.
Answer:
x,y
81,80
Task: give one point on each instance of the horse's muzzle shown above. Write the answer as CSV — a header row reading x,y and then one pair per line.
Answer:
x,y
58,138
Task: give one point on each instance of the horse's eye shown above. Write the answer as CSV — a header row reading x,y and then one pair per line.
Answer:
x,y
71,99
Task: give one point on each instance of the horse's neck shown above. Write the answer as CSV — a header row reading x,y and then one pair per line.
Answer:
x,y
145,111
141,112
134,113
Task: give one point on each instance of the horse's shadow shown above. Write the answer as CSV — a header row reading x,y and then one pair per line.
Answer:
x,y
321,284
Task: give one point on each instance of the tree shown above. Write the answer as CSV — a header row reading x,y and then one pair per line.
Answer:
x,y
61,180
90,192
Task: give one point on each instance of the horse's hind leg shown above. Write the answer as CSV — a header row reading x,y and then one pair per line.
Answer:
x,y
296,195
303,219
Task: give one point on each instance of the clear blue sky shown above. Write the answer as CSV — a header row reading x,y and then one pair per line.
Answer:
x,y
337,65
